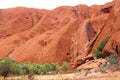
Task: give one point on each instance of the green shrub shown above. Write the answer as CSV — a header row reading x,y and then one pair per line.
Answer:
x,y
4,68
98,52
12,67
112,59
103,43
18,69
45,68
9,66
65,65
36,68
29,68
26,68
54,66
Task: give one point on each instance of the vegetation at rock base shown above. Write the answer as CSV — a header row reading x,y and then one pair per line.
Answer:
x,y
29,68
65,65
111,64
112,59
98,52
11,67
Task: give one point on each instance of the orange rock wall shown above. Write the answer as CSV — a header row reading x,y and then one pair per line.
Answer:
x,y
63,34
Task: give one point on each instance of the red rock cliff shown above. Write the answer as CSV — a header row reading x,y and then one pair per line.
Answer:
x,y
63,34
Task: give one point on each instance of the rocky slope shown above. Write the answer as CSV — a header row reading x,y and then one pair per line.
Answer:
x,y
66,33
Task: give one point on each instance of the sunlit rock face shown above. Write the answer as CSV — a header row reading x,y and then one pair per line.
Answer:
x,y
67,33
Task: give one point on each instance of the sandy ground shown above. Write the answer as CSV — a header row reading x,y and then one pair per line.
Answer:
x,y
72,76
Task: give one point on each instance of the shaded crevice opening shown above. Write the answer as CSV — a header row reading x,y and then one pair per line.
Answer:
x,y
31,19
106,10
90,31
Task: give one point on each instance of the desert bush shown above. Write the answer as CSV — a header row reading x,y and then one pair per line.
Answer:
x,y
54,66
36,68
98,52
65,65
9,66
12,67
112,59
4,68
102,44
18,69
45,68
29,68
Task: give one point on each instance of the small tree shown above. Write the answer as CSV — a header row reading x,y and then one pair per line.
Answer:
x,y
4,68
8,66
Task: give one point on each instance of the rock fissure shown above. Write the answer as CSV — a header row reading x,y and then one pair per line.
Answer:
x,y
10,52
32,21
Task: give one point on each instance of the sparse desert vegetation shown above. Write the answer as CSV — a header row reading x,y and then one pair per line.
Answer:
x,y
10,67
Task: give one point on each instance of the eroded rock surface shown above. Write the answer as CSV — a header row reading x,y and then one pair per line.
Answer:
x,y
63,34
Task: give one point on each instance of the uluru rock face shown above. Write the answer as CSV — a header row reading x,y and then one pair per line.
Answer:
x,y
16,20
63,34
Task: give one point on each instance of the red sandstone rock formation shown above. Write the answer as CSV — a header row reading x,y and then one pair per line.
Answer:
x,y
62,34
